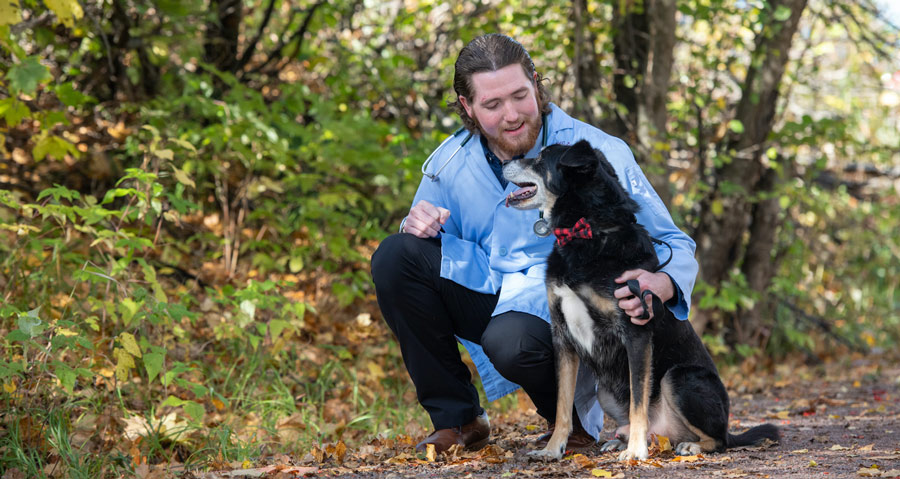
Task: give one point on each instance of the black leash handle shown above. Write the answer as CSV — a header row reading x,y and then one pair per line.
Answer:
x,y
635,288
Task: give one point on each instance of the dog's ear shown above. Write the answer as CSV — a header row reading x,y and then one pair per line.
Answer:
x,y
580,156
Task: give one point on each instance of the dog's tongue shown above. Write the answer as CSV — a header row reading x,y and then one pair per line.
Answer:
x,y
520,193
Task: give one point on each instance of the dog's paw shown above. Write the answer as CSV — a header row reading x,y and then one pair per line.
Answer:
x,y
545,455
612,445
688,449
635,453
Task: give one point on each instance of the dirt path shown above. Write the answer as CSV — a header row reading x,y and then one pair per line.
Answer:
x,y
838,420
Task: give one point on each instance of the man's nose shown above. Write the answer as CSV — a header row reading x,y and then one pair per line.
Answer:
x,y
509,113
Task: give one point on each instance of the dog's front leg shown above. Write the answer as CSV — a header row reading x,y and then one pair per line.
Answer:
x,y
567,371
640,356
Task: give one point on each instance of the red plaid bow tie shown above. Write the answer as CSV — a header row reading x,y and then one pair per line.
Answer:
x,y
581,230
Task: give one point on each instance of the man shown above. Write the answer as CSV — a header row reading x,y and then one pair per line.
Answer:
x,y
464,267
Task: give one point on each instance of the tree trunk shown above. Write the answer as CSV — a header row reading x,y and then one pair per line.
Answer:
x,y
726,213
587,75
644,51
759,265
221,43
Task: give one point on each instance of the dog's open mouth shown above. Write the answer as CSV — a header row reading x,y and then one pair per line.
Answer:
x,y
525,191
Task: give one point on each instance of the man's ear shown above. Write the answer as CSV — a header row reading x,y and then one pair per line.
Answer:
x,y
465,103
580,155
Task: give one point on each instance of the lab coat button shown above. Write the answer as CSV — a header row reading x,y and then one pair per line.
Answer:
x,y
502,251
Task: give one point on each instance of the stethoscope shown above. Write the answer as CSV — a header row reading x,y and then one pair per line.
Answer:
x,y
541,226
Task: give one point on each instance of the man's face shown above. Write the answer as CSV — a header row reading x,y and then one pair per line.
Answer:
x,y
504,106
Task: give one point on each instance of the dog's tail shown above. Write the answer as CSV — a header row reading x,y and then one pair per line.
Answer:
x,y
754,436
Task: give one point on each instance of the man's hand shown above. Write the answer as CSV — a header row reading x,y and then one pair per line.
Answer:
x,y
660,283
425,220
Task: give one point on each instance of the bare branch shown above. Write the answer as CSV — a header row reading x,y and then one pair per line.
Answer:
x,y
282,42
251,47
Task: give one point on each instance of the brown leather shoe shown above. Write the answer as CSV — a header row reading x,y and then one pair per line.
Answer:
x,y
472,436
578,438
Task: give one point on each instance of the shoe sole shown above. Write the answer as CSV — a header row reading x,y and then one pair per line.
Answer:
x,y
478,445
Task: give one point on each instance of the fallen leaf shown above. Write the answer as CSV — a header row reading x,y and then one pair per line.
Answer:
x,y
583,461
869,472
429,452
601,473
664,443
687,458
891,473
812,463
867,448
838,447
531,427
340,450
800,451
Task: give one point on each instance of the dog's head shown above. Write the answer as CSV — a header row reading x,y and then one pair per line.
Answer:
x,y
562,170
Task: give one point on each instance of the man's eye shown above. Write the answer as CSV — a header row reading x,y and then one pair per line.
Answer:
x,y
521,96
491,106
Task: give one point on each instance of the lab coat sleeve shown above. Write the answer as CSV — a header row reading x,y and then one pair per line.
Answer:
x,y
463,261
654,215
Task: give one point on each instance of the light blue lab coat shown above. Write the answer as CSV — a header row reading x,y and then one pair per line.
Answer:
x,y
488,247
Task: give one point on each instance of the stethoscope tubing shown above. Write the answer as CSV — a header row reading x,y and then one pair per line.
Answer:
x,y
433,177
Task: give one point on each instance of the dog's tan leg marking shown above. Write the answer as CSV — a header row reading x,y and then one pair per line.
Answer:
x,y
604,305
639,409
567,372
565,398
688,439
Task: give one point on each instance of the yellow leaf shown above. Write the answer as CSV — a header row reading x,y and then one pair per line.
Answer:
x,y
800,451
813,463
531,427
246,464
9,387
66,10
838,447
430,452
686,458
130,344
867,448
183,178
601,473
9,12
63,331
218,404
375,370
124,363
717,207
782,414
664,443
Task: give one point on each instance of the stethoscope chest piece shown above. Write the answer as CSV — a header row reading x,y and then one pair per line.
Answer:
x,y
541,227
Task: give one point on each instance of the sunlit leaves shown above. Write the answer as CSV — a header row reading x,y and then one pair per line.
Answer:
x,y
13,111
67,11
10,14
48,145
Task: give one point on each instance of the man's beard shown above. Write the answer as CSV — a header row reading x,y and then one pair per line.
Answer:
x,y
517,146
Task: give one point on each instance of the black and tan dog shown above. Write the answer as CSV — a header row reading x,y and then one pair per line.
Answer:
x,y
653,379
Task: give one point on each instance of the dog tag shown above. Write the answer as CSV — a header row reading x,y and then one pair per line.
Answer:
x,y
542,228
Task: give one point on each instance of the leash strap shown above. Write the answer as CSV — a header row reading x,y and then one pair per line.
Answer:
x,y
635,288
656,303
